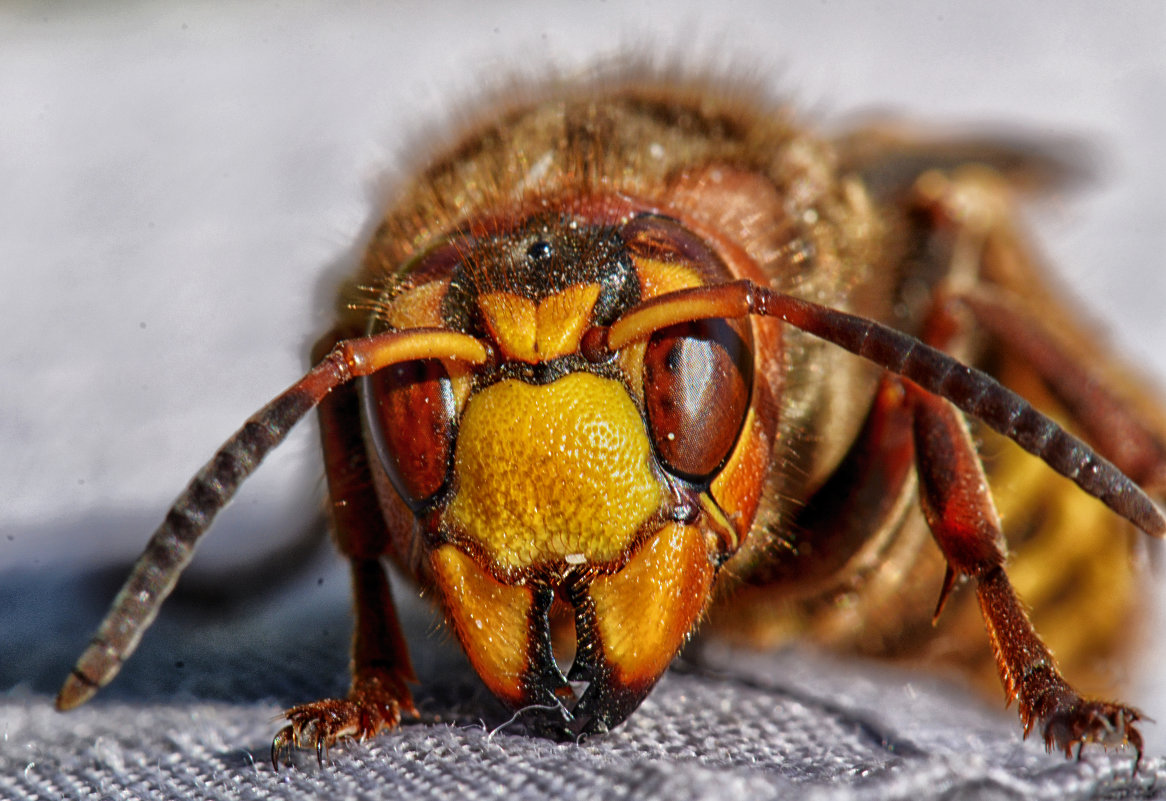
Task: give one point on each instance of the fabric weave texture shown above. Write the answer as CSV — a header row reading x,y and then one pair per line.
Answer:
x,y
193,713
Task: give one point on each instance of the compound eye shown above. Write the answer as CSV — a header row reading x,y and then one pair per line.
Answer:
x,y
410,408
698,379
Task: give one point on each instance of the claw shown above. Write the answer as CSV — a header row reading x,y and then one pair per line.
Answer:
x,y
280,743
1101,722
949,578
370,709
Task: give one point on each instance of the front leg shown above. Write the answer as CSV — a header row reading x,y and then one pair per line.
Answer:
x,y
381,668
962,516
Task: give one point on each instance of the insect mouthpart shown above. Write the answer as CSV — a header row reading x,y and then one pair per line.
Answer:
x,y
629,623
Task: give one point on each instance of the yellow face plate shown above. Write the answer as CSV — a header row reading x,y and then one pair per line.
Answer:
x,y
561,471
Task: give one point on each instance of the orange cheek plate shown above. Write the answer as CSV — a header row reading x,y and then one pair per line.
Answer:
x,y
645,612
492,621
737,488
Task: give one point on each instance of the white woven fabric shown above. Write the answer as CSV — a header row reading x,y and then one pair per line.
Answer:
x,y
192,716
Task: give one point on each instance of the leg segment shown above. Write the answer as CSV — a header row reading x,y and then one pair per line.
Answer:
x,y
380,670
991,267
962,517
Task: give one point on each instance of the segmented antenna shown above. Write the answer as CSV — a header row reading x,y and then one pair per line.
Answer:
x,y
972,391
170,548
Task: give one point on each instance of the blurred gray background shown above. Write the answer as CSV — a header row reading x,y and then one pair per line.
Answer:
x,y
182,183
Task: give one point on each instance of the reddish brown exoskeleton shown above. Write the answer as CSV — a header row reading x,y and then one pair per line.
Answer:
x,y
632,356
